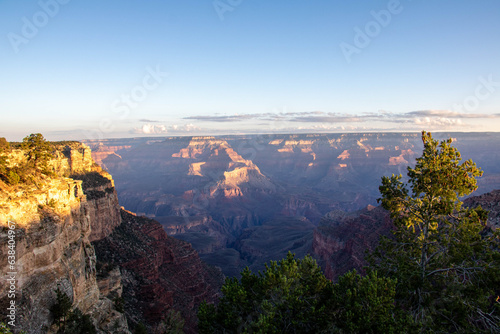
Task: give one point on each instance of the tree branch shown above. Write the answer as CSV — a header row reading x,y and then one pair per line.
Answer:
x,y
455,269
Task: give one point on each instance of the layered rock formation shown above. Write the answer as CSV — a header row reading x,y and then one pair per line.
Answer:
x,y
160,274
342,239
199,189
57,217
232,176
52,246
104,211
210,190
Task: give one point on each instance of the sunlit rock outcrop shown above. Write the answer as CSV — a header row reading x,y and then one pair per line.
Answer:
x,y
53,224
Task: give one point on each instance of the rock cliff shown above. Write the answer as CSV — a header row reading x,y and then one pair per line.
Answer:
x,y
104,210
490,202
138,274
341,239
231,175
53,224
161,274
58,218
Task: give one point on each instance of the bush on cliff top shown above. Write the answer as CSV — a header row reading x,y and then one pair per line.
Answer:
x,y
37,152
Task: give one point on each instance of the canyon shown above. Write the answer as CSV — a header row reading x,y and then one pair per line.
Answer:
x,y
65,224
150,243
244,200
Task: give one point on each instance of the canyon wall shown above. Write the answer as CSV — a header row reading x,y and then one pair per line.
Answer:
x,y
342,239
161,274
138,273
53,225
489,202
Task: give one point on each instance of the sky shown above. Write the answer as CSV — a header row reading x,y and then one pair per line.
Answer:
x,y
75,69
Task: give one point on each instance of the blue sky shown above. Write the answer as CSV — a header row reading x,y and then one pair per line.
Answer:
x,y
74,69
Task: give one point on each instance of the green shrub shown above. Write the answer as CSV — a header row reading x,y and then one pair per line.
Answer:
x,y
61,309
4,329
4,145
79,323
37,150
68,321
140,329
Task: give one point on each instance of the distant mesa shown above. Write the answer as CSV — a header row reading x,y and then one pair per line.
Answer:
x,y
231,174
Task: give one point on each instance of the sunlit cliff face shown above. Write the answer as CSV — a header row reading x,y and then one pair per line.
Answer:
x,y
216,156
54,221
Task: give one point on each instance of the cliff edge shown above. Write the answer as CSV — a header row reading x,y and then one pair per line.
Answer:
x,y
46,228
62,225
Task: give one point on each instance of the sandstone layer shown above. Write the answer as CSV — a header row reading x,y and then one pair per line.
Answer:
x,y
53,224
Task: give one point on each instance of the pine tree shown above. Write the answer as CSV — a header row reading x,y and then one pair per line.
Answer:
x,y
289,296
61,308
445,263
293,296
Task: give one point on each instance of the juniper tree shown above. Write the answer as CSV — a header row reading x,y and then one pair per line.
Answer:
x,y
61,308
37,150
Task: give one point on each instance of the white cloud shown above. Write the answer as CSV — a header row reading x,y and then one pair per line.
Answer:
x,y
149,129
319,121
184,128
442,122
154,129
446,117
